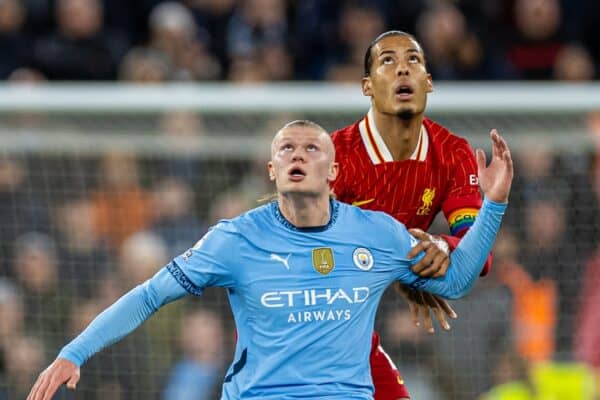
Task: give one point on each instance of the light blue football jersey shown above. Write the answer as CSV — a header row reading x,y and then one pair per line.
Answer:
x,y
304,300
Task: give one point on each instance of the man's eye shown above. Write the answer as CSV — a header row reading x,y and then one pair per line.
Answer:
x,y
414,59
388,60
287,147
311,147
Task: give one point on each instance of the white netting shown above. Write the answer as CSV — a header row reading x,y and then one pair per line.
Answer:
x,y
102,185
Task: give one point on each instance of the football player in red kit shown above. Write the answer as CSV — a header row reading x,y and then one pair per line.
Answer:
x,y
396,160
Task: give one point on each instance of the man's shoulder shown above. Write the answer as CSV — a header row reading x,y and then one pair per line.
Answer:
x,y
249,220
446,143
442,136
346,134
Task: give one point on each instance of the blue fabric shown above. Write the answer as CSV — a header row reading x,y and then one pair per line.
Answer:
x,y
123,316
190,380
304,301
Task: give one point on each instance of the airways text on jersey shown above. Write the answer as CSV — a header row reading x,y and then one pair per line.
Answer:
x,y
315,305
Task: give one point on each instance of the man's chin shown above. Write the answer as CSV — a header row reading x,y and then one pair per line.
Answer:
x,y
296,191
405,114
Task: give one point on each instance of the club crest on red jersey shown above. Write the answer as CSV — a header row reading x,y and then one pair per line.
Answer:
x,y
427,199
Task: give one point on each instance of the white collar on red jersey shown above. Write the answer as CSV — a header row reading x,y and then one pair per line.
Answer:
x,y
376,147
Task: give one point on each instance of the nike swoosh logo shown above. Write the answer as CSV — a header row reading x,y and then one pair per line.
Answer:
x,y
362,202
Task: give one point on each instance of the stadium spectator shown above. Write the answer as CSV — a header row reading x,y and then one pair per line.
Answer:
x,y
213,16
467,374
453,50
302,167
13,41
83,257
120,205
347,52
196,374
254,24
80,49
536,40
545,223
145,65
47,304
533,314
183,131
17,204
12,313
175,221
173,32
574,64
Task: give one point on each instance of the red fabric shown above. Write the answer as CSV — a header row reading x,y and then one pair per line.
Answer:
x,y
388,383
398,188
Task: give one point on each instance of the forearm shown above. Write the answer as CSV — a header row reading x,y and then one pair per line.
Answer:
x,y
453,242
469,256
125,315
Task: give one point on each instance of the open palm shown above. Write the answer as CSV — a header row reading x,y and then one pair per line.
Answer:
x,y
495,179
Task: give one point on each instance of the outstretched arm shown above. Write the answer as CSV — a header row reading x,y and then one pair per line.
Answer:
x,y
110,326
495,181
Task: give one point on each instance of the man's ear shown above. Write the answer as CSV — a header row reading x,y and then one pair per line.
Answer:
x,y
429,83
271,172
333,172
366,86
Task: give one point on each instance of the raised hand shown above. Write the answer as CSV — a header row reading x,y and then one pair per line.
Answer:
x,y
59,372
495,180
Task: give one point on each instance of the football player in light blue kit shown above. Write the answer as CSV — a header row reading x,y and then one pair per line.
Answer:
x,y
304,275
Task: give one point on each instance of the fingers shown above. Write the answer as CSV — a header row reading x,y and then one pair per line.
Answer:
x,y
431,263
419,233
72,382
496,151
480,158
59,372
445,264
414,312
445,306
419,247
424,309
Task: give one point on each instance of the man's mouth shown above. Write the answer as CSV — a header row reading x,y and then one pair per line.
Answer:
x,y
404,91
296,173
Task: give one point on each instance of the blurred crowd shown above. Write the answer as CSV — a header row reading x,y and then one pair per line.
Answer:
x,y
275,40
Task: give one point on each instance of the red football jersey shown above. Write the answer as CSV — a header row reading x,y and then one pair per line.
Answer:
x,y
441,175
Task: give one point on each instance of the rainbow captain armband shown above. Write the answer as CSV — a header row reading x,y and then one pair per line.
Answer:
x,y
461,219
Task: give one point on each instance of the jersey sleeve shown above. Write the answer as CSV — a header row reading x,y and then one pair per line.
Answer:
x,y
463,201
465,261
210,262
121,318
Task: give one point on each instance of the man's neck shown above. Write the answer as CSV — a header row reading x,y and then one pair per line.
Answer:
x,y
400,135
304,211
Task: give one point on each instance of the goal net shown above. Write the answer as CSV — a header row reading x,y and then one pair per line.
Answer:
x,y
101,185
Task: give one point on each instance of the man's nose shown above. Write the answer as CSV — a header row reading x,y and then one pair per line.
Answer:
x,y
402,69
298,155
